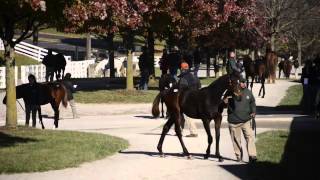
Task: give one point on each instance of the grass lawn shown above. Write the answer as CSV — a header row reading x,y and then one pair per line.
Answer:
x,y
293,96
116,96
20,60
274,139
34,150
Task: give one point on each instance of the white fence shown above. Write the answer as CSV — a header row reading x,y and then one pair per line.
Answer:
x,y
3,77
32,51
78,69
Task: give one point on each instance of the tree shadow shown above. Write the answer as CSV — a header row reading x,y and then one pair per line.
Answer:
x,y
298,160
9,140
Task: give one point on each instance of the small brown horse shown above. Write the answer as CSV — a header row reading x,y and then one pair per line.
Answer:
x,y
253,70
204,104
286,67
53,93
271,64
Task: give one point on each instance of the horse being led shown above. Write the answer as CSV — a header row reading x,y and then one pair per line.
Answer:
x,y
271,63
286,67
52,93
204,104
60,65
254,69
166,81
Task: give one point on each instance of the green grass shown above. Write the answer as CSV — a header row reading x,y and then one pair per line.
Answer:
x,y
293,96
20,60
34,150
270,145
116,96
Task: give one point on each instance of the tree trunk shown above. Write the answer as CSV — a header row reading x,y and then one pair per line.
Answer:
x,y
111,54
151,51
88,47
272,42
299,46
11,116
35,36
129,71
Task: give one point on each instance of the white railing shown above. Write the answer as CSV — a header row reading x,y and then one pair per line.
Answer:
x,y
32,51
3,77
78,69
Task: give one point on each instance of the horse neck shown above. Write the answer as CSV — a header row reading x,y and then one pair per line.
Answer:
x,y
220,85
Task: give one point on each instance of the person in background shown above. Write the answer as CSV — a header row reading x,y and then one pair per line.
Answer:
x,y
70,90
32,101
196,61
174,61
164,66
241,109
232,64
188,81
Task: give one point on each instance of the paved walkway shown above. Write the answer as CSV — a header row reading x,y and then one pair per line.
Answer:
x,y
141,161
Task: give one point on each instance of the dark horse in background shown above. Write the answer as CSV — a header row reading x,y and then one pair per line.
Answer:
x,y
56,65
271,64
53,93
166,81
286,67
204,104
255,69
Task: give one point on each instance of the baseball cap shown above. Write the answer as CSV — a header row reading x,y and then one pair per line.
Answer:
x,y
184,65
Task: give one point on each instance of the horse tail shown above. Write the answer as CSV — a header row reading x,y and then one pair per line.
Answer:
x,y
65,97
155,106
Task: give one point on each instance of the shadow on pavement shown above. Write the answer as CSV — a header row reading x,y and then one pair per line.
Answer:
x,y
179,155
299,160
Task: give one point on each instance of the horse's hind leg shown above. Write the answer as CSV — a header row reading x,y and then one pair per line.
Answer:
x,y
179,134
217,125
56,114
165,130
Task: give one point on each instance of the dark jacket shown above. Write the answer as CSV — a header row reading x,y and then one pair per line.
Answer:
x,y
241,107
188,81
70,90
232,66
32,97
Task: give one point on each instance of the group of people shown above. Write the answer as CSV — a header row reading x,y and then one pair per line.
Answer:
x,y
241,107
32,104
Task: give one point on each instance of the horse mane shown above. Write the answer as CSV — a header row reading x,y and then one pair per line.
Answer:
x,y
219,81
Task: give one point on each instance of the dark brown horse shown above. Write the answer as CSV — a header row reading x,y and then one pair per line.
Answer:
x,y
204,104
253,70
166,81
271,64
286,67
53,93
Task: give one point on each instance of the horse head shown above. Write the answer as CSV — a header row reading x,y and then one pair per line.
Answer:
x,y
234,83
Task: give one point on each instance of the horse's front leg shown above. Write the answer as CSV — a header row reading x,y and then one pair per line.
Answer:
x,y
217,125
40,117
162,113
165,130
206,124
177,126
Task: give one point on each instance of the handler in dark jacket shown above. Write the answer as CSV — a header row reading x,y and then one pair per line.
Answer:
x,y
241,109
70,90
32,100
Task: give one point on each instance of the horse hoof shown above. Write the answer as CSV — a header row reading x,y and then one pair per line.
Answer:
x,y
189,157
206,157
221,159
162,156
